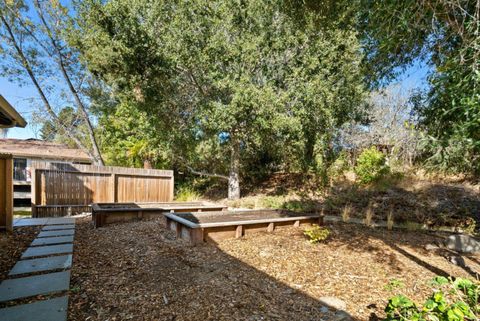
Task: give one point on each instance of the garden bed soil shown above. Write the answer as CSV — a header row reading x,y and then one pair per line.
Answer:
x,y
239,216
12,245
140,271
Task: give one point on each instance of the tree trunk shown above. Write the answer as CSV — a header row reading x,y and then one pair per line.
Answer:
x,y
147,164
234,175
61,63
25,64
309,153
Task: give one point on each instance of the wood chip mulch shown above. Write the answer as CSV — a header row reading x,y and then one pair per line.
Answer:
x,y
12,245
139,271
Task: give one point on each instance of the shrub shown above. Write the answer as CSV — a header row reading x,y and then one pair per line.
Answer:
x,y
339,166
451,300
272,202
186,194
317,233
371,166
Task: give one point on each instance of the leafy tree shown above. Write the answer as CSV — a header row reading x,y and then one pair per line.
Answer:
x,y
389,124
127,137
445,35
33,48
225,77
69,117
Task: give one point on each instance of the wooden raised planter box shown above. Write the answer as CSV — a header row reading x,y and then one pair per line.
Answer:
x,y
216,226
105,213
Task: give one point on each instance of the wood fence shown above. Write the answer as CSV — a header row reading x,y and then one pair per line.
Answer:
x,y
6,192
60,189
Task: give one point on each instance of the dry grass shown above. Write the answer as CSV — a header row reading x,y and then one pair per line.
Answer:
x,y
346,213
390,220
369,215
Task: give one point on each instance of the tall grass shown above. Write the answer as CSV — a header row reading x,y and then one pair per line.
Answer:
x,y
390,220
368,215
187,194
346,213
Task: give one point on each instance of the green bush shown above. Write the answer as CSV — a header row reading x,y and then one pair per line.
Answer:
x,y
186,194
451,300
317,233
339,166
371,166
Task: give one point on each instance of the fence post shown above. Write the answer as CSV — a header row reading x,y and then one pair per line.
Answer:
x,y
171,187
33,191
6,193
113,186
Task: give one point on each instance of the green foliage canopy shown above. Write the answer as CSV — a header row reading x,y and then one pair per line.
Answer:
x,y
240,78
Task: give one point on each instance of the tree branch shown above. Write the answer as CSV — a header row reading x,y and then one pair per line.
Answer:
x,y
78,101
32,76
201,173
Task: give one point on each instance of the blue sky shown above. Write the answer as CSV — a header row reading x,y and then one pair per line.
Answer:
x,y
21,97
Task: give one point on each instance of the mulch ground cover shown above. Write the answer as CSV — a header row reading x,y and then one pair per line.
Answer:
x,y
139,271
12,245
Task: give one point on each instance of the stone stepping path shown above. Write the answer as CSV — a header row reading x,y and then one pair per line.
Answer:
x,y
50,251
58,227
42,264
47,250
52,240
28,286
43,221
48,310
55,233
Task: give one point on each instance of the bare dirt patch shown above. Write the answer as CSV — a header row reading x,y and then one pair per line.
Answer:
x,y
139,271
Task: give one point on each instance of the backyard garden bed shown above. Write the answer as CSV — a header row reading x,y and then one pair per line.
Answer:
x,y
144,273
106,213
216,226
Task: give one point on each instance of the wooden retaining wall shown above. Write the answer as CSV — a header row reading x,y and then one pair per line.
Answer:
x,y
60,189
6,192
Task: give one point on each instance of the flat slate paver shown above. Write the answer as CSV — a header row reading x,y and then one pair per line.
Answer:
x,y
43,221
34,285
42,264
52,240
60,220
30,222
58,227
56,233
48,310
47,250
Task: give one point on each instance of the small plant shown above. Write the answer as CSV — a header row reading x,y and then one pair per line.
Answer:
x,y
451,300
317,234
469,226
346,213
412,226
339,166
394,284
371,166
368,215
187,194
390,220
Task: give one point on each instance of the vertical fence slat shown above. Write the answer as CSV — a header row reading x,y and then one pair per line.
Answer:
x,y
58,186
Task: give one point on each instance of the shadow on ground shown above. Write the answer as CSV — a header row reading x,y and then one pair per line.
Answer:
x,y
140,271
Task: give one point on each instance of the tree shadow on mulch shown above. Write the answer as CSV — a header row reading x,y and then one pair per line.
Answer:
x,y
357,240
141,271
